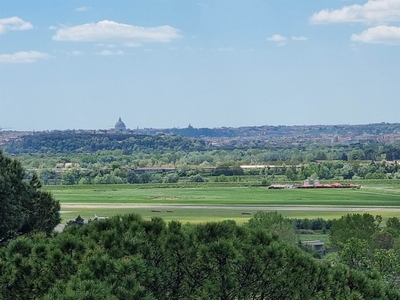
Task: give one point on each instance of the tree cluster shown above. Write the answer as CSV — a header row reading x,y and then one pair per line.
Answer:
x,y
365,245
126,257
72,142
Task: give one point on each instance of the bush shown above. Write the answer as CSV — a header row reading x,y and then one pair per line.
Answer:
x,y
171,178
196,178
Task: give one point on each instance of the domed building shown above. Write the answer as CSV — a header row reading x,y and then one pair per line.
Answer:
x,y
120,126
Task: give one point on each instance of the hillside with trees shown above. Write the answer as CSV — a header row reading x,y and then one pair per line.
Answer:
x,y
84,142
288,153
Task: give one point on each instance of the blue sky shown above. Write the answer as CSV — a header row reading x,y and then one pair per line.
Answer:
x,y
70,64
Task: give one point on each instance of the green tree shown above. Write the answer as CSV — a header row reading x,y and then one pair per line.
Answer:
x,y
70,177
291,173
46,176
171,178
356,254
362,227
274,223
42,211
24,207
393,224
383,240
196,178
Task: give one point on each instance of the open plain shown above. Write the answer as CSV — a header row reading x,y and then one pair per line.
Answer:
x,y
204,203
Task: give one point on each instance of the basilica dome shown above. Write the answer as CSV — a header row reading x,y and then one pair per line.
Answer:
x,y
120,126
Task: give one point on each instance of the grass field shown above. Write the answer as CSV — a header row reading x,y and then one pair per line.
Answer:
x,y
368,196
218,203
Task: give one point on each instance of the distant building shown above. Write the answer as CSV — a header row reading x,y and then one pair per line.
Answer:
x,y
120,126
316,246
154,170
311,182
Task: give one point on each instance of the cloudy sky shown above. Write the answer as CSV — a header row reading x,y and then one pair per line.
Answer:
x,y
70,64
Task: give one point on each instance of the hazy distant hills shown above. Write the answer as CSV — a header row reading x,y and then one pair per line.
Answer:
x,y
192,139
281,131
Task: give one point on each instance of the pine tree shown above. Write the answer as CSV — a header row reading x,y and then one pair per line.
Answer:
x,y
24,207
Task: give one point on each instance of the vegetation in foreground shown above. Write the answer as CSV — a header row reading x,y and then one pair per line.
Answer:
x,y
24,206
126,257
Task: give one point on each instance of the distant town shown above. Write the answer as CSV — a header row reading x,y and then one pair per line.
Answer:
x,y
225,136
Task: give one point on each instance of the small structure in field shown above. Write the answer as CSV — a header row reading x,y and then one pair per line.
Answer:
x,y
313,184
316,245
281,186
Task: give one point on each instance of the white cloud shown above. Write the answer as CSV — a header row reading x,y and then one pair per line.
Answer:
x,y
53,27
379,35
280,40
299,38
374,11
22,57
110,31
76,53
109,53
83,8
276,38
14,23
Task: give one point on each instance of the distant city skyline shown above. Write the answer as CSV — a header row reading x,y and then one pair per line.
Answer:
x,y
163,64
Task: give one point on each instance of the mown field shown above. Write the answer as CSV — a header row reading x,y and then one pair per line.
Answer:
x,y
205,203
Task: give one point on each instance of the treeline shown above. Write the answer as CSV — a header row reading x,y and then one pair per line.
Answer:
x,y
110,158
254,151
72,142
126,257
224,172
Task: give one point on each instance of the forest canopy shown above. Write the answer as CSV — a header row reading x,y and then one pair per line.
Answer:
x,y
127,257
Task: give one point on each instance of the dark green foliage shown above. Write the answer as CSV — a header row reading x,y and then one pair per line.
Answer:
x,y
13,196
312,224
196,178
126,257
72,142
228,169
358,226
24,207
275,223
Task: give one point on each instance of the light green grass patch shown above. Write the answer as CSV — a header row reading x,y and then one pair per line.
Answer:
x,y
113,196
228,196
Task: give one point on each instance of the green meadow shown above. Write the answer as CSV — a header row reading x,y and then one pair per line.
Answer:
x,y
205,203
128,194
